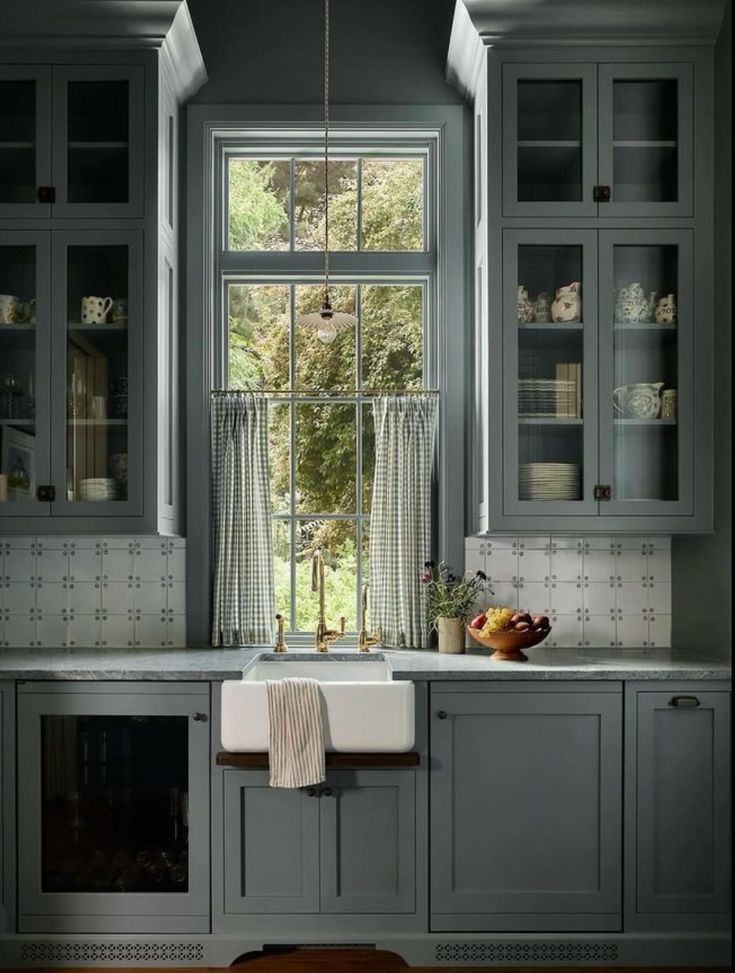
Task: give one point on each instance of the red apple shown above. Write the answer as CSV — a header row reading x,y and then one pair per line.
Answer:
x,y
478,621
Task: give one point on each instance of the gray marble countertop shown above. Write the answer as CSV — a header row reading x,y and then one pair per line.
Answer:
x,y
215,664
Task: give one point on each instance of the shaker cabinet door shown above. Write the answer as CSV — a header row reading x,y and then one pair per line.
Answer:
x,y
678,832
525,810
368,841
272,842
25,140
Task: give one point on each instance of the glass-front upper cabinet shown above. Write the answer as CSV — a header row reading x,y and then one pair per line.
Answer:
x,y
646,371
549,139
549,368
96,426
645,139
98,140
597,140
113,808
25,139
24,364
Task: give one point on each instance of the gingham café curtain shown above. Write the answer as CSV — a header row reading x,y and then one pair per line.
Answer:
x,y
243,599
400,520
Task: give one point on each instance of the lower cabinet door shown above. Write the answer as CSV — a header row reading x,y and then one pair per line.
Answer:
x,y
272,846
679,786
526,810
368,841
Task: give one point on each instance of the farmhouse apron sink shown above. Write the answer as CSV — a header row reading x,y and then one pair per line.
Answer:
x,y
364,709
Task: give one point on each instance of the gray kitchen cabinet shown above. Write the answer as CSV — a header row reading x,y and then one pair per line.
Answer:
x,y
113,807
526,807
677,807
271,841
588,139
368,841
347,846
7,807
90,145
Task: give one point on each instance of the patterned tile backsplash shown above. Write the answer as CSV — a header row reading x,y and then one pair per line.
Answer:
x,y
598,591
92,591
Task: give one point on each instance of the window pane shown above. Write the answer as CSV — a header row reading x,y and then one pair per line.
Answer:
x,y
282,568
259,335
391,318
325,459
319,365
392,204
309,205
336,540
279,446
258,201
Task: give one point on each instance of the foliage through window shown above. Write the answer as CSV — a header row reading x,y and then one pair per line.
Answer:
x,y
322,449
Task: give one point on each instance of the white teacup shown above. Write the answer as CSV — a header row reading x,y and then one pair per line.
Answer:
x,y
95,309
8,308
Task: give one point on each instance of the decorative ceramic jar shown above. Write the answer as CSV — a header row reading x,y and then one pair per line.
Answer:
x,y
639,401
542,308
665,312
525,306
567,306
632,305
669,404
451,635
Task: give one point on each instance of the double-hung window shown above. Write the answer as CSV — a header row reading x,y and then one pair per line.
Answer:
x,y
269,267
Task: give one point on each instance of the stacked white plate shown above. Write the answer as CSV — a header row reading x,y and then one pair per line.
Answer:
x,y
549,481
547,397
98,488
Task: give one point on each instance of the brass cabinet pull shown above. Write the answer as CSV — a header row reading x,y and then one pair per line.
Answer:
x,y
327,792
311,791
684,702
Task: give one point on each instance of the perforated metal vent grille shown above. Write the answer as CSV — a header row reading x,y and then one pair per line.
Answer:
x,y
586,953
111,952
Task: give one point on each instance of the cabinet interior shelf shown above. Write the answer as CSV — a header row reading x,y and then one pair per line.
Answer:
x,y
645,422
97,145
643,144
107,326
643,326
260,760
97,422
17,145
17,422
550,420
549,144
552,326
20,326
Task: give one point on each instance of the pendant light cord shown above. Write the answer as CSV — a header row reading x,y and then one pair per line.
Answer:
x,y
326,152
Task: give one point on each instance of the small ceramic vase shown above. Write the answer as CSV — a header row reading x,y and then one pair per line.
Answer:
x,y
632,305
567,306
542,308
525,306
451,635
669,404
665,312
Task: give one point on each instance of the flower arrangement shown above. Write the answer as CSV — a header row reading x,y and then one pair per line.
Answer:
x,y
449,595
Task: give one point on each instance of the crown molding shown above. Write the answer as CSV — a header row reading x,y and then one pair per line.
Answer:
x,y
482,24
127,25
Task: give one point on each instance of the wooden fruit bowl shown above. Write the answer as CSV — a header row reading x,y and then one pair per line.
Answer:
x,y
508,645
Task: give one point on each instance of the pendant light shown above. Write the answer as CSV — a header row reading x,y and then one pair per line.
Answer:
x,y
327,322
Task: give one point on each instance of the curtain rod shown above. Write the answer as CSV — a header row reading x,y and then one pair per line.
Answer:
x,y
328,392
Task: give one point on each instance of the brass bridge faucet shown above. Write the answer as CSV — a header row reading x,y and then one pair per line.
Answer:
x,y
324,636
364,641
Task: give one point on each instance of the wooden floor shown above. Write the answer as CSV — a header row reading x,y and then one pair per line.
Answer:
x,y
371,961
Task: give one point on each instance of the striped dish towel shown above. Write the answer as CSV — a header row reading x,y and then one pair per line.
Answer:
x,y
296,744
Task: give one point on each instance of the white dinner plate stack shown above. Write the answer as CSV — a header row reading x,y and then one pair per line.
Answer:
x,y
98,488
547,397
549,481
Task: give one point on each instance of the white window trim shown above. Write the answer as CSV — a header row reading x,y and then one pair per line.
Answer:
x,y
446,128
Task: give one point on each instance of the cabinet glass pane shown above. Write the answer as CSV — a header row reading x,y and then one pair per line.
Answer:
x,y
97,373
97,147
645,141
114,804
17,373
549,141
17,141
645,372
550,356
